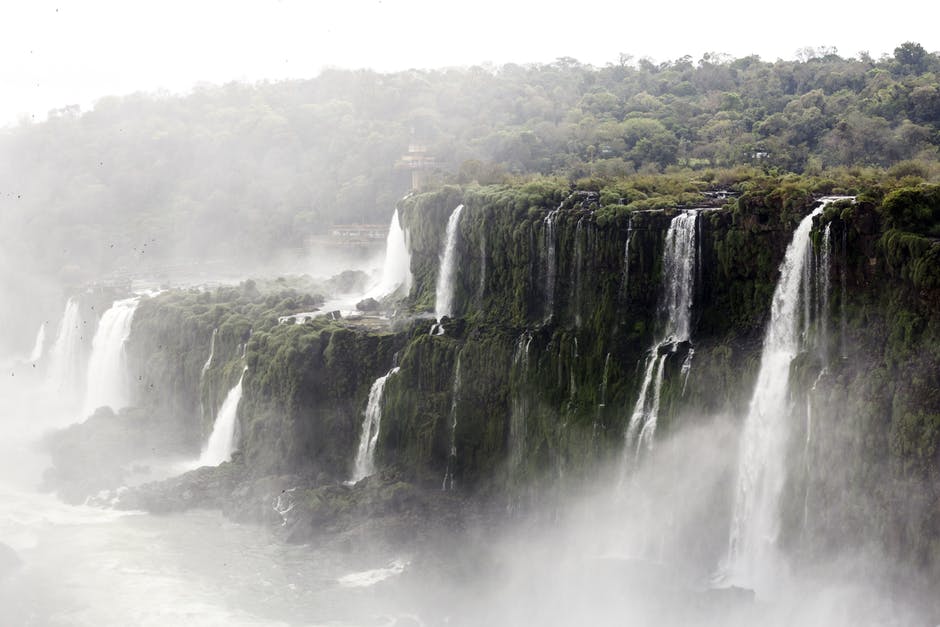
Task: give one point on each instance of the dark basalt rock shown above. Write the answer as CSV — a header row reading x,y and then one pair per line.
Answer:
x,y
368,304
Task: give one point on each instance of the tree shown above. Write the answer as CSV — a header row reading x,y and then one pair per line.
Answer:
x,y
910,57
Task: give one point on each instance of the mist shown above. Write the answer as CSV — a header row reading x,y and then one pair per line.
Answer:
x,y
611,342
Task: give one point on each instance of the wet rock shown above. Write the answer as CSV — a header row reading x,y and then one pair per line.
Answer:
x,y
368,304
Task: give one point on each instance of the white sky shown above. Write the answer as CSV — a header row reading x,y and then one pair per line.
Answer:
x,y
60,52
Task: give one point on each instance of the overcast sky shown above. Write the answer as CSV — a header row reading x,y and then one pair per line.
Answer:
x,y
58,53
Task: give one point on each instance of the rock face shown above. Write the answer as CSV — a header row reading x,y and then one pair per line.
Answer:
x,y
532,381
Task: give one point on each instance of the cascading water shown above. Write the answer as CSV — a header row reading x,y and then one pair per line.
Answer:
x,y
448,483
603,399
65,354
675,310
39,344
208,364
107,383
577,270
625,284
364,464
824,285
444,294
221,443
520,400
753,559
843,342
396,270
549,244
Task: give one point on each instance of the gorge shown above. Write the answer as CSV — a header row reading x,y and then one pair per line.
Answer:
x,y
522,418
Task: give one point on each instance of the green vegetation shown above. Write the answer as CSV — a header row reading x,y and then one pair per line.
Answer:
x,y
244,172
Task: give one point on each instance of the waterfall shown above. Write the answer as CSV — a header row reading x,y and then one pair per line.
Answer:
x,y
396,270
603,398
221,443
448,483
549,244
65,354
208,364
444,294
625,284
39,344
678,268
842,315
107,383
752,553
364,464
675,312
577,269
520,400
824,286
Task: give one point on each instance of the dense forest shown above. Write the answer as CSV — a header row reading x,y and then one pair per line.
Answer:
x,y
243,171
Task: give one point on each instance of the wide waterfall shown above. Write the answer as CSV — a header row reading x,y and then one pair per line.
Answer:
x,y
444,295
364,464
66,352
221,443
107,383
396,269
675,313
753,557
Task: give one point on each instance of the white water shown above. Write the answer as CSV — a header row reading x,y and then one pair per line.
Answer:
x,y
753,557
520,401
444,295
448,483
107,383
208,364
367,578
65,354
577,269
396,270
625,285
551,265
675,313
221,443
824,287
364,464
39,344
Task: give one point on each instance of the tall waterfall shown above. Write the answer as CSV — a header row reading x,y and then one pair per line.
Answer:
x,y
824,286
444,297
549,245
39,344
107,383
208,364
371,423
577,270
753,557
65,354
448,483
396,270
519,407
625,284
675,313
221,443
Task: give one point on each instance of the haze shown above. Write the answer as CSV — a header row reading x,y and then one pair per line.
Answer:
x,y
54,54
